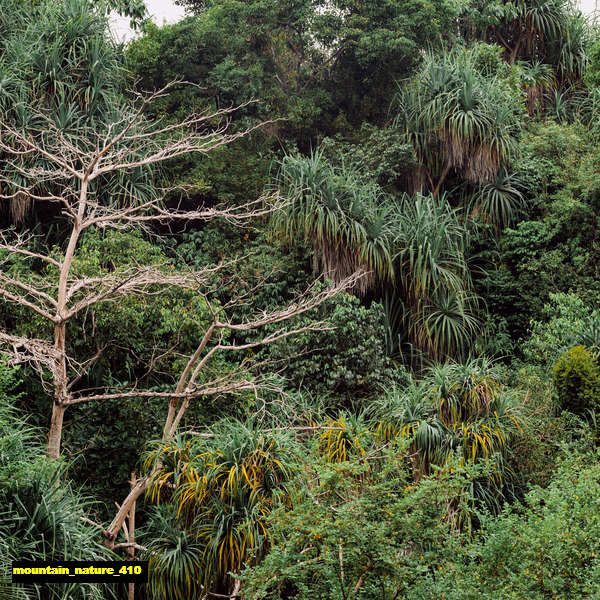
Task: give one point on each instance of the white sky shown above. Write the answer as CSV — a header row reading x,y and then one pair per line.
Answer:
x,y
160,10
588,6
166,10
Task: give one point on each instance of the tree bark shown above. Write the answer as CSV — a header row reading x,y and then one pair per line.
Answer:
x,y
54,437
60,392
112,531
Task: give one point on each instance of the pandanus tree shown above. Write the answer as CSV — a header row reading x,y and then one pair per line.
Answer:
x,y
457,412
537,78
222,487
532,24
458,120
57,57
569,51
415,245
458,408
42,517
434,277
552,31
500,201
342,217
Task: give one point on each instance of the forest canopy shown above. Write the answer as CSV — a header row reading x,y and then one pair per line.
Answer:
x,y
299,299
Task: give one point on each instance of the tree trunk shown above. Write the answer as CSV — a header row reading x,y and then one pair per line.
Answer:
x,y
441,180
113,529
54,437
60,392
60,375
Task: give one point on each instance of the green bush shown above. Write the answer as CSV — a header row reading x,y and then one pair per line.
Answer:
x,y
577,380
592,74
346,360
561,325
545,548
42,515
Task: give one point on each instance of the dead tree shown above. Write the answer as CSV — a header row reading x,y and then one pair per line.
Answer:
x,y
70,170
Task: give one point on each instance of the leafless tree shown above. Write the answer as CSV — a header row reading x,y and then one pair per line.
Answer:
x,y
71,170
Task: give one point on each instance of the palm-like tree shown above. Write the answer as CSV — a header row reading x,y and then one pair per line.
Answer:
x,y
408,414
537,78
446,324
346,437
552,31
222,488
175,559
340,215
434,276
457,119
534,23
416,245
460,408
499,202
42,517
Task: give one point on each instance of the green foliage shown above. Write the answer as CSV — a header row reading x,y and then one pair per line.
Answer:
x,y
275,273
356,533
154,320
238,52
384,38
341,214
197,51
313,58
545,548
391,539
536,449
576,377
41,514
565,319
549,252
347,360
379,154
223,488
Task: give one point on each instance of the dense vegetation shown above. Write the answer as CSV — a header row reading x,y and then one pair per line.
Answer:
x,y
310,289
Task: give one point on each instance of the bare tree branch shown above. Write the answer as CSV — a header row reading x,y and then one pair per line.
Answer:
x,y
82,171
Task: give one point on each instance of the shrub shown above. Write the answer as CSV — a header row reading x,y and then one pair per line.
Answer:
x,y
577,380
42,516
348,360
592,75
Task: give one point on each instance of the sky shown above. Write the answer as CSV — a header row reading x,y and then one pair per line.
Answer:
x,y
588,6
166,10
161,10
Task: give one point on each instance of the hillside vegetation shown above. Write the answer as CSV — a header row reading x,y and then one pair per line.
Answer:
x,y
300,300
